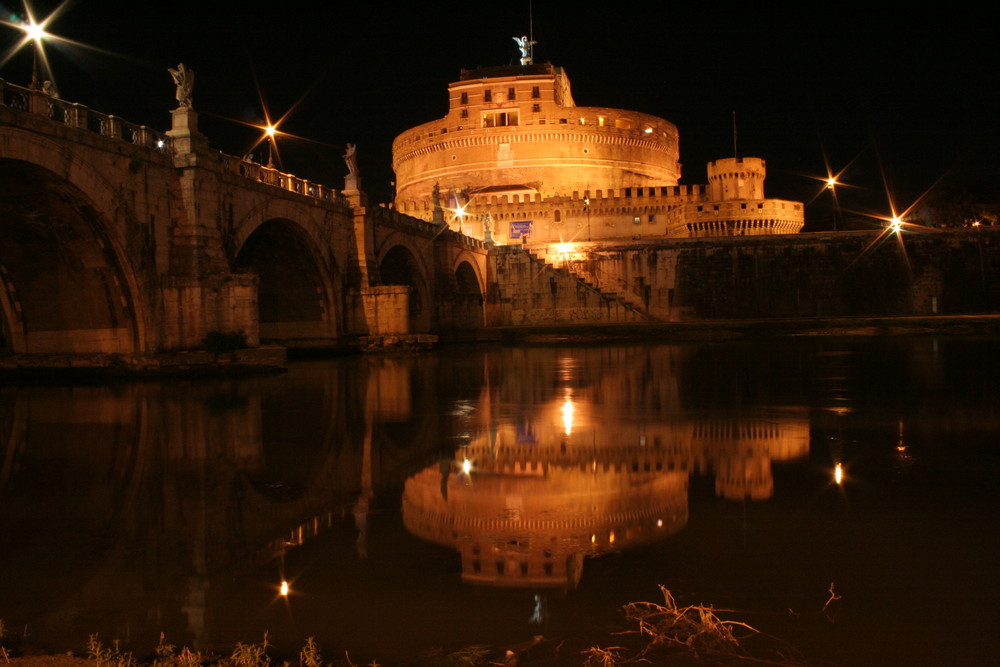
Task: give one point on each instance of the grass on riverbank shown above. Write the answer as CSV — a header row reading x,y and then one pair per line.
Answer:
x,y
656,633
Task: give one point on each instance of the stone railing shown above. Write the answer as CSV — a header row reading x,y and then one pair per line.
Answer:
x,y
79,116
271,176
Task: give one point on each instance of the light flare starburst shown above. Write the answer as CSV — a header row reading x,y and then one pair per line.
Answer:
x,y
35,33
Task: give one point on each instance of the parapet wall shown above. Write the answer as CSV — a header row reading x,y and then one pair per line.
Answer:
x,y
525,291
803,275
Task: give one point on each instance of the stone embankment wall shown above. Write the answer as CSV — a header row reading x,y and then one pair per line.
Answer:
x,y
801,275
524,290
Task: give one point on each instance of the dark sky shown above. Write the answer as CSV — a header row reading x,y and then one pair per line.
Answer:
x,y
917,94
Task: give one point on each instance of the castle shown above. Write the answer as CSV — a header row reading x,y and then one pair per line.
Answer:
x,y
516,161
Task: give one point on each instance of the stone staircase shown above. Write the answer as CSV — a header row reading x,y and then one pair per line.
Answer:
x,y
531,292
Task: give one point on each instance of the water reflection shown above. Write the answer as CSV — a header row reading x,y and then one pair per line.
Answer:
x,y
184,507
125,506
599,461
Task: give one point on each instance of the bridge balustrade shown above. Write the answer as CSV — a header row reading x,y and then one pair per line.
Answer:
x,y
80,116
273,177
13,96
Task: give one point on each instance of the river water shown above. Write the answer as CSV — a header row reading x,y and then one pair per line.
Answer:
x,y
441,500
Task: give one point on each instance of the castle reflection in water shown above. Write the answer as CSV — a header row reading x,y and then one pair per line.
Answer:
x,y
140,498
587,471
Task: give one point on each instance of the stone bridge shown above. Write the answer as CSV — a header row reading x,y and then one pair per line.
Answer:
x,y
122,241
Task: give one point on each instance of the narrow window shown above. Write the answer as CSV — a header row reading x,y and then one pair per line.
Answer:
x,y
465,113
465,98
535,93
487,95
511,94
536,108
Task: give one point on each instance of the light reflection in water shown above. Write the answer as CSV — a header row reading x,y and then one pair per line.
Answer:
x,y
191,487
567,413
599,473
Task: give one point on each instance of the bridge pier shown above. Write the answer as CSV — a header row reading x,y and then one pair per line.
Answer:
x,y
200,296
126,247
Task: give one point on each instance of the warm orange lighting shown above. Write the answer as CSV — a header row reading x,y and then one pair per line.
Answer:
x,y
830,182
567,415
838,473
270,130
564,248
896,223
466,466
611,537
659,523
34,31
284,588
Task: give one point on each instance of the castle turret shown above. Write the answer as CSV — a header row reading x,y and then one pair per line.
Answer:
x,y
736,178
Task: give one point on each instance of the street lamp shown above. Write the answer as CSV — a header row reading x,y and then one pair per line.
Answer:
x,y
586,207
34,33
831,185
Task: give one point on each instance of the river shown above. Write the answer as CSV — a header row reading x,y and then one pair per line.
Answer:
x,y
484,495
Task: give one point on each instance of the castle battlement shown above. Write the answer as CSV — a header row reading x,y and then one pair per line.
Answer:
x,y
516,161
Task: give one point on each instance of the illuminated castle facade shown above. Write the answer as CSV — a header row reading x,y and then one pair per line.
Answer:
x,y
515,160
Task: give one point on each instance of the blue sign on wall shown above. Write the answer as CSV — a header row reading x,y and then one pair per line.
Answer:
x,y
519,228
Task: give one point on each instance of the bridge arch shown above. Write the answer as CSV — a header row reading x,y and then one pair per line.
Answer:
x,y
66,283
298,294
465,303
398,265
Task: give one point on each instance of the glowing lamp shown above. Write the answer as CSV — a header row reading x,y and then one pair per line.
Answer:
x,y
284,588
838,473
34,31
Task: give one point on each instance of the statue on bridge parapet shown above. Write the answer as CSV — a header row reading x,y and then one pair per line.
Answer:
x,y
437,215
184,80
352,181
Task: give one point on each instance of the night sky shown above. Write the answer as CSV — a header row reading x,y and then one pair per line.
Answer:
x,y
912,97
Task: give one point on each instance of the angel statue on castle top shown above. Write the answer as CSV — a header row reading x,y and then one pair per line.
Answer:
x,y
524,44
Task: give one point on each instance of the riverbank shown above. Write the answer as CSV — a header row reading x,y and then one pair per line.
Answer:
x,y
699,330
98,367
271,359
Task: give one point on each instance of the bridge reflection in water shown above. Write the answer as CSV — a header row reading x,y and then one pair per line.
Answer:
x,y
139,508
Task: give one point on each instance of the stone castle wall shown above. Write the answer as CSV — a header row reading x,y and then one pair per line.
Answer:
x,y
802,275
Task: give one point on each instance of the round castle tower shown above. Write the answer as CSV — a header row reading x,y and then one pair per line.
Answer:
x,y
516,131
736,178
